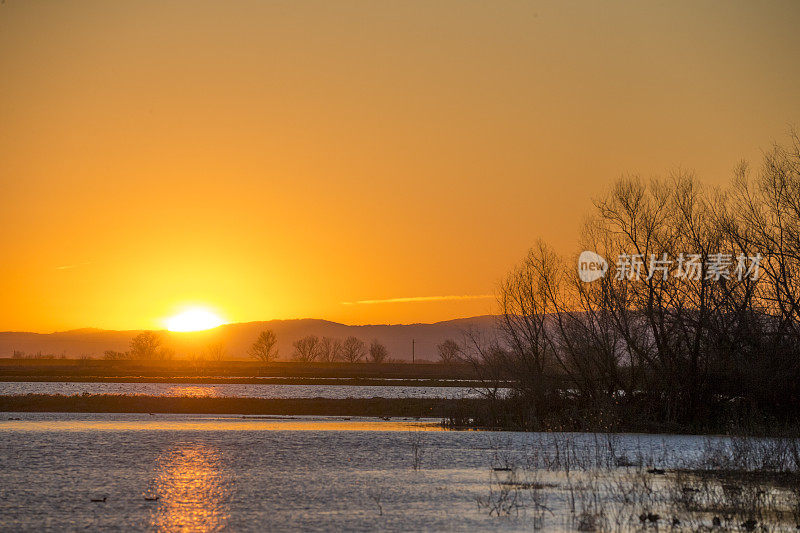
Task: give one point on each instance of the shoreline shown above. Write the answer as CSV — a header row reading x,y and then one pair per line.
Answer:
x,y
463,414
242,372
113,403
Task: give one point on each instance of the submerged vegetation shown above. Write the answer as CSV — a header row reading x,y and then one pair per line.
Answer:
x,y
607,482
594,483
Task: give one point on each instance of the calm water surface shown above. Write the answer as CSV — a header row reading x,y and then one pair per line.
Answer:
x,y
260,473
234,390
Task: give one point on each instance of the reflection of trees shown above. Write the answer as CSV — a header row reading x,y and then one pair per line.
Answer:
x,y
193,489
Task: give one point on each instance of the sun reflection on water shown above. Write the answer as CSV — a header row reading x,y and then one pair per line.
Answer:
x,y
192,391
192,488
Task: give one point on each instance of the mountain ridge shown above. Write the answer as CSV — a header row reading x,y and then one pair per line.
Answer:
x,y
238,336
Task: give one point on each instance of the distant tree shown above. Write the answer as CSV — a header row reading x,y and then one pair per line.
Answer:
x,y
377,352
216,351
165,354
353,349
145,345
112,355
330,349
264,348
448,351
197,358
306,349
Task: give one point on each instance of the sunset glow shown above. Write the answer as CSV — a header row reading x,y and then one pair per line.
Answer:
x,y
343,266
360,176
194,319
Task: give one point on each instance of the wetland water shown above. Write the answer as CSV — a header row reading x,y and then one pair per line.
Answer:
x,y
234,390
238,473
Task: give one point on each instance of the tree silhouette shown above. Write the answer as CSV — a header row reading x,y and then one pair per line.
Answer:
x,y
216,351
330,349
264,348
306,349
353,349
377,352
145,345
448,351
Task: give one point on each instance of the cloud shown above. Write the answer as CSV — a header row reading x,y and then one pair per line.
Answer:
x,y
411,299
67,267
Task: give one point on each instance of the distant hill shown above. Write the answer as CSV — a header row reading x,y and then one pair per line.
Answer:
x,y
238,337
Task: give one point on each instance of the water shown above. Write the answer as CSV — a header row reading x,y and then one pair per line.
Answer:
x,y
263,473
235,390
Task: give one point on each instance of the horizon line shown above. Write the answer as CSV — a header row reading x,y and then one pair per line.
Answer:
x,y
51,332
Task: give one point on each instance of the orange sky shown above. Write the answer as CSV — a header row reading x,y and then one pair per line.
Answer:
x,y
276,159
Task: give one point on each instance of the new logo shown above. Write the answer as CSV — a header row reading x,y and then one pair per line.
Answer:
x,y
591,266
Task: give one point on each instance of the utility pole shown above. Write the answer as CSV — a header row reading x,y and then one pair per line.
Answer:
x,y
413,353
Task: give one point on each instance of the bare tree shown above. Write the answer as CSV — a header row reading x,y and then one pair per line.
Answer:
x,y
672,336
264,348
768,211
673,323
145,345
527,297
448,351
353,349
166,353
216,351
330,349
377,352
765,221
306,349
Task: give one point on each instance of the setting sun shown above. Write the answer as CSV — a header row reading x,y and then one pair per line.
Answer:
x,y
195,319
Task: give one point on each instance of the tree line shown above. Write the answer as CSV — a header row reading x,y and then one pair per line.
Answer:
x,y
149,345
145,345
659,350
329,349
